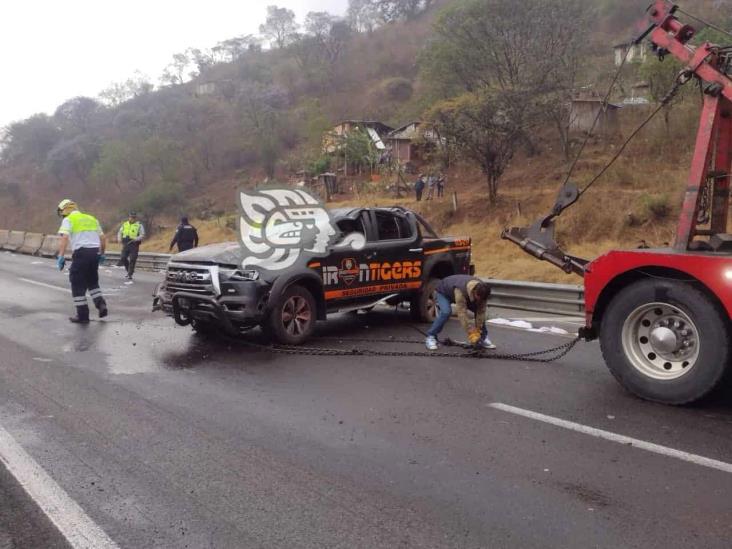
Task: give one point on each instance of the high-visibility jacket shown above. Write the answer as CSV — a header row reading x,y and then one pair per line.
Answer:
x,y
83,230
131,230
81,222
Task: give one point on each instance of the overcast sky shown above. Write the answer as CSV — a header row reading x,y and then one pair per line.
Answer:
x,y
53,50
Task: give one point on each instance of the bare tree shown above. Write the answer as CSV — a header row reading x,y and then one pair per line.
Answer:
x,y
485,127
363,15
394,10
534,47
280,26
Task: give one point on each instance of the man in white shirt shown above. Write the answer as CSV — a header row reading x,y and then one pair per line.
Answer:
x,y
88,243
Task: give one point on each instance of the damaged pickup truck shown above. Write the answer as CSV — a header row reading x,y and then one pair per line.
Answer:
x,y
402,260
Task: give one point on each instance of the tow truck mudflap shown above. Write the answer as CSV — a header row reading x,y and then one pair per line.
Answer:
x,y
184,320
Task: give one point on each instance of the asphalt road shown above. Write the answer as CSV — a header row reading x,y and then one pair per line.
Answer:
x,y
166,439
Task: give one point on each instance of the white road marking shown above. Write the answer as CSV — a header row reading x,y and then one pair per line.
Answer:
x,y
57,288
74,524
614,437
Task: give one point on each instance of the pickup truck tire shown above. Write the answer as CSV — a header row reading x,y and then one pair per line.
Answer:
x,y
204,328
422,306
666,341
292,318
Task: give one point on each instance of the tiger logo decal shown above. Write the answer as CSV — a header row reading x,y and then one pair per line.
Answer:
x,y
277,226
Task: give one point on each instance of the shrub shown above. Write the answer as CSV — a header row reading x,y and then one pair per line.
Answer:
x,y
160,198
657,207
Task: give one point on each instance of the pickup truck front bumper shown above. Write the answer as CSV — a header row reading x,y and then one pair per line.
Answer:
x,y
240,306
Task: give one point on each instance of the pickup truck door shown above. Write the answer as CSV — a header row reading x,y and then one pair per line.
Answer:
x,y
395,255
345,280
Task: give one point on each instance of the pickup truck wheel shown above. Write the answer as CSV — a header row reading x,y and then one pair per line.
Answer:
x,y
204,328
666,341
293,317
423,307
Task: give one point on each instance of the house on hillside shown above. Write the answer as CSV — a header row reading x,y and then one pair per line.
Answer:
x,y
408,142
376,130
639,94
635,52
586,110
223,88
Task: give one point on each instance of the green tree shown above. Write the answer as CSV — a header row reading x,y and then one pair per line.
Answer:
x,y
73,158
30,140
161,198
661,77
359,150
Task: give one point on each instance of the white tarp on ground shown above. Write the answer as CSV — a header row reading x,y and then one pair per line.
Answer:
x,y
523,325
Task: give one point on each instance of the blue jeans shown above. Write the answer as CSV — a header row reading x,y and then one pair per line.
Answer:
x,y
444,310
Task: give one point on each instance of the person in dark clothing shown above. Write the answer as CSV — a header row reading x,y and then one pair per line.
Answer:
x,y
441,185
419,187
186,236
468,293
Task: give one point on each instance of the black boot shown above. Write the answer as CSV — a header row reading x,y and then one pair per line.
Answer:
x,y
82,315
101,306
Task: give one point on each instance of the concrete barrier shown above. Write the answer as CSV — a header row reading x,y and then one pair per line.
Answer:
x,y
49,248
31,243
15,241
4,237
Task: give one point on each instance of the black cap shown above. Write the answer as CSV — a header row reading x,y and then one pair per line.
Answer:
x,y
133,214
184,220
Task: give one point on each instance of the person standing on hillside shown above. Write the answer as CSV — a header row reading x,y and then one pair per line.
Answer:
x,y
441,185
186,236
468,293
88,244
419,187
130,234
431,183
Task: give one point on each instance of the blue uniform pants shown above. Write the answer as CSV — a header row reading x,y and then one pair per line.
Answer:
x,y
444,310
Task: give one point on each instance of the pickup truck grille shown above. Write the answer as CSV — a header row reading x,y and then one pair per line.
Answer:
x,y
194,280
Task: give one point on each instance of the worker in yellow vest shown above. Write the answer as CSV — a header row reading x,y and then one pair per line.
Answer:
x,y
88,243
130,234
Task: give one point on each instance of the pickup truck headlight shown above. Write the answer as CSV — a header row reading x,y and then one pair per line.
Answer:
x,y
240,275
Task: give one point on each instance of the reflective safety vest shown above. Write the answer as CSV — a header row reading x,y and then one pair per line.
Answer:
x,y
131,230
82,223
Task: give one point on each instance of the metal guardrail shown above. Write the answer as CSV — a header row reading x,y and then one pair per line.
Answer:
x,y
147,261
535,297
538,297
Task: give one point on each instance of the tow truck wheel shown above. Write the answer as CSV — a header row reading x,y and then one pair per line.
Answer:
x,y
293,317
423,307
666,341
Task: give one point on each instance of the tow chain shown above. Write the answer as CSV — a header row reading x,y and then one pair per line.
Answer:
x,y
545,356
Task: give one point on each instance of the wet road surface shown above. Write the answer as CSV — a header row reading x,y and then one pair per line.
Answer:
x,y
168,439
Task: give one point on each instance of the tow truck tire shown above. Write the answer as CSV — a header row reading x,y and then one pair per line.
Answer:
x,y
292,318
666,341
422,306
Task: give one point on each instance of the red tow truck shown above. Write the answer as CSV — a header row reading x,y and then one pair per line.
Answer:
x,y
663,315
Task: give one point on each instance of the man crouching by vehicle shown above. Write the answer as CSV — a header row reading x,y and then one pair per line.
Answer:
x,y
468,293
